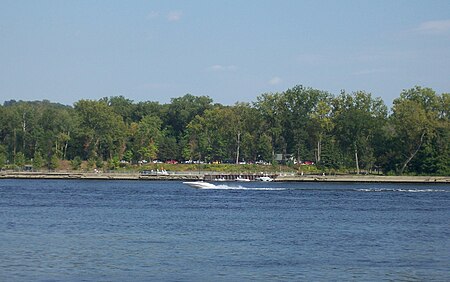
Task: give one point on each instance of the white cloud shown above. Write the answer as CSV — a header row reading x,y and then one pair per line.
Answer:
x,y
275,80
434,27
218,68
174,16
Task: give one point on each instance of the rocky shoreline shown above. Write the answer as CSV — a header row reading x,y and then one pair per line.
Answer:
x,y
200,176
367,179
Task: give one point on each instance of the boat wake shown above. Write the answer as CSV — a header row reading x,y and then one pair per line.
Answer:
x,y
210,186
402,190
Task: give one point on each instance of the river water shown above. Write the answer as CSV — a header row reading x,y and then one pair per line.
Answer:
x,y
52,230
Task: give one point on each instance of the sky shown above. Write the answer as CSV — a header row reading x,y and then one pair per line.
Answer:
x,y
232,51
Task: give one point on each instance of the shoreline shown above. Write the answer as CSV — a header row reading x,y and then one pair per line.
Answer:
x,y
201,176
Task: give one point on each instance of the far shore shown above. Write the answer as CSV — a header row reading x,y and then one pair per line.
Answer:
x,y
196,176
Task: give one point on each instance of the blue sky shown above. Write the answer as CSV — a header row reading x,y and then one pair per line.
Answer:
x,y
232,51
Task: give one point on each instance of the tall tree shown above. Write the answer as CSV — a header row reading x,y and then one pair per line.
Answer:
x,y
208,135
183,109
268,106
3,156
357,118
147,137
415,119
298,103
320,124
147,108
121,106
102,130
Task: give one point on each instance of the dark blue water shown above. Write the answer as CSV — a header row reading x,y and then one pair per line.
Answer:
x,y
146,231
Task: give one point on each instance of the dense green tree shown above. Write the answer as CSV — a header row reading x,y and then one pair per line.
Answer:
x,y
53,162
207,135
298,104
321,124
122,107
100,128
91,163
264,148
99,163
38,160
3,156
268,106
419,121
113,163
148,108
182,110
168,148
236,117
76,163
19,160
347,131
128,156
357,119
17,120
147,136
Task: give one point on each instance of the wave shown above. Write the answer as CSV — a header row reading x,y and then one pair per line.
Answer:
x,y
401,190
226,187
210,186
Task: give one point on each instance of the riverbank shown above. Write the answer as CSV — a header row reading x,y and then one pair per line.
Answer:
x,y
193,176
98,176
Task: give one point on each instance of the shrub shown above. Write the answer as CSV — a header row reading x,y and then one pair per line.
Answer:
x,y
76,163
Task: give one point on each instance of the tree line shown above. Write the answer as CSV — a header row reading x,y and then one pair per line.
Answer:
x,y
345,131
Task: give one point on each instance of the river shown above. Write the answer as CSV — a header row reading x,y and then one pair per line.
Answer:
x,y
73,230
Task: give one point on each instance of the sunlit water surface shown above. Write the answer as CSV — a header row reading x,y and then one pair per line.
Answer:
x,y
143,231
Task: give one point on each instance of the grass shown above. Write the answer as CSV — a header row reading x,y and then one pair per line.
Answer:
x,y
216,168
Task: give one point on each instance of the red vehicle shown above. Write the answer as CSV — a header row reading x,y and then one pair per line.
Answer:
x,y
171,162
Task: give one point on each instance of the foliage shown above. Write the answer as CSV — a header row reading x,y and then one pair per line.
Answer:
x,y
113,163
358,118
3,157
91,163
76,163
99,163
350,131
53,162
19,160
418,122
38,160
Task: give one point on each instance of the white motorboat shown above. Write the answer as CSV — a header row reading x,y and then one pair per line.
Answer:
x,y
200,184
265,179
